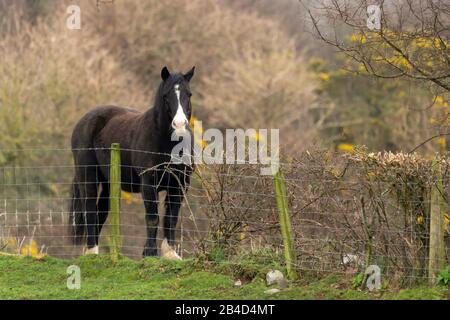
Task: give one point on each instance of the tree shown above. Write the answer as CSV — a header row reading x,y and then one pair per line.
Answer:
x,y
406,39
412,40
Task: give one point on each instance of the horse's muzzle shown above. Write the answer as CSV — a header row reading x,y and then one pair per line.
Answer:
x,y
179,126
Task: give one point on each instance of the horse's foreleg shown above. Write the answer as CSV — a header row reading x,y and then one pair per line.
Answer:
x,y
150,197
173,204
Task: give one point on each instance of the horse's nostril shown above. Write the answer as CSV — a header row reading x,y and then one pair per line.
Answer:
x,y
179,123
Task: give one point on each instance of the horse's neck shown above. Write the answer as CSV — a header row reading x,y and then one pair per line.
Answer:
x,y
156,124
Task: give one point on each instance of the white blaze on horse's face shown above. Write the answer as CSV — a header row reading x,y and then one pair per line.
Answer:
x,y
180,121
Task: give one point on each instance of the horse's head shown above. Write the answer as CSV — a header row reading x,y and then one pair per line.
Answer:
x,y
176,95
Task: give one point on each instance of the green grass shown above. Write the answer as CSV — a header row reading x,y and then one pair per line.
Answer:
x,y
154,278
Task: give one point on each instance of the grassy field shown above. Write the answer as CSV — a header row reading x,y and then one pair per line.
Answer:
x,y
154,278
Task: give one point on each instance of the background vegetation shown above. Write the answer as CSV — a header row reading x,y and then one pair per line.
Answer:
x,y
257,67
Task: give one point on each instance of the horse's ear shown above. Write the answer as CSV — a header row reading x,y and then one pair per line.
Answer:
x,y
188,75
165,74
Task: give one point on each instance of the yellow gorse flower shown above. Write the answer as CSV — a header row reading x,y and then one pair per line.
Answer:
x,y
129,198
192,122
441,142
440,102
358,38
31,250
198,132
446,220
362,68
257,136
242,233
346,147
400,62
324,76
419,219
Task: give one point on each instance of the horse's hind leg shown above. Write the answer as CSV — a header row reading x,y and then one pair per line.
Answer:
x,y
88,187
102,208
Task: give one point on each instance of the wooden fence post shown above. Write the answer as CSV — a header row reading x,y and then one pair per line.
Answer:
x,y
285,224
436,256
114,202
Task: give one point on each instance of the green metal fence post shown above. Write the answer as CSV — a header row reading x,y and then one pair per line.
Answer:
x,y
285,224
114,202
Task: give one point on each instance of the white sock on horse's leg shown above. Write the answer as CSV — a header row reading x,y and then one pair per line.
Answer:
x,y
168,252
93,250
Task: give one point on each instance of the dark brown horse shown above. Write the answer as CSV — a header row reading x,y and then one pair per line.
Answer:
x,y
146,141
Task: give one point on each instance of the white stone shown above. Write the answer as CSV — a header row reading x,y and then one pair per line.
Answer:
x,y
238,283
272,291
273,277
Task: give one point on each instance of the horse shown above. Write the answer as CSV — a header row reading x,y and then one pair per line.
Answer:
x,y
146,140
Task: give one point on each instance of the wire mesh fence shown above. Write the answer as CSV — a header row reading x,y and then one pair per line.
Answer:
x,y
347,211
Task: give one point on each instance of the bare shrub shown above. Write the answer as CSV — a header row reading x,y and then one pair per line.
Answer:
x,y
234,207
348,211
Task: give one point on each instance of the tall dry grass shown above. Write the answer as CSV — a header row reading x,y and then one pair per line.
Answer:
x,y
50,77
249,72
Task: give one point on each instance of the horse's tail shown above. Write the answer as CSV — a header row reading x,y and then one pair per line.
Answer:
x,y
77,219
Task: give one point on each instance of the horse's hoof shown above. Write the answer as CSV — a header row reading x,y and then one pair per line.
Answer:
x,y
167,252
149,252
171,256
93,250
